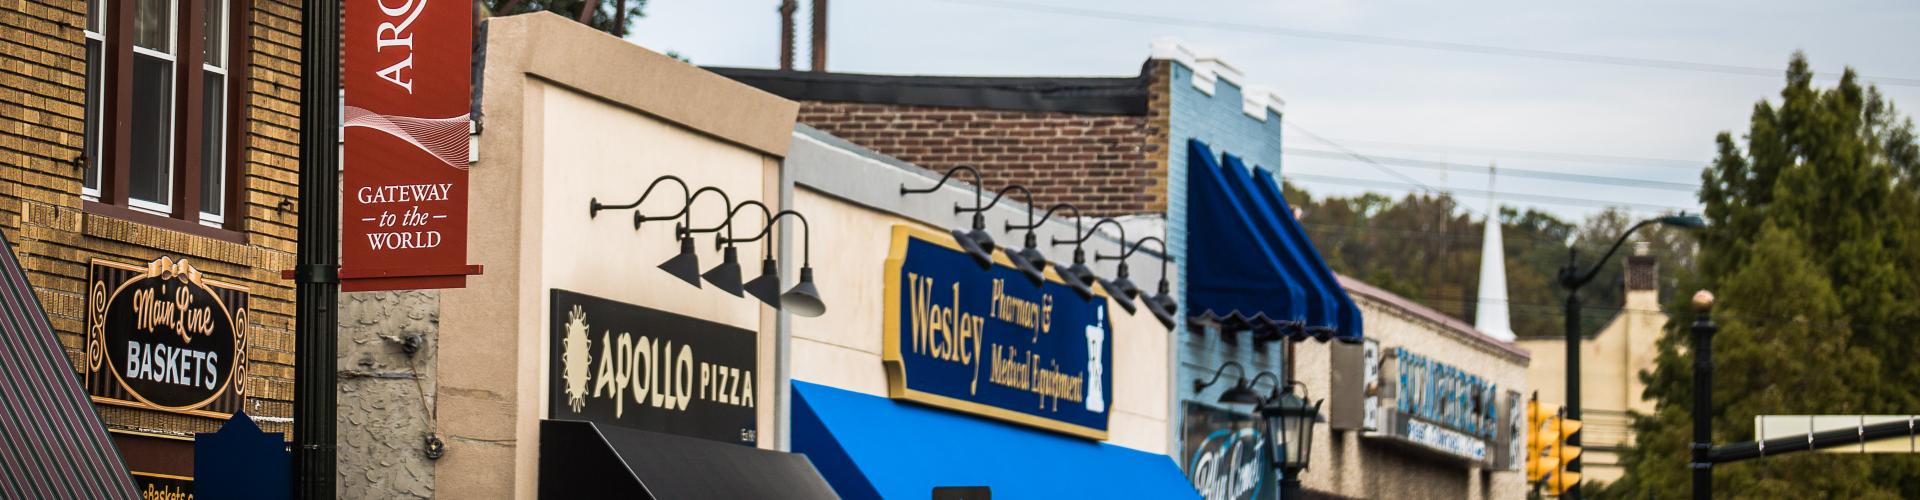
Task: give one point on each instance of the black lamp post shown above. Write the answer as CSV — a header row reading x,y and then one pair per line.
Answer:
x,y
1571,280
1290,420
1702,336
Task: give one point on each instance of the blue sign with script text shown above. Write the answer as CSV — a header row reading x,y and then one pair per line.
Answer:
x,y
991,342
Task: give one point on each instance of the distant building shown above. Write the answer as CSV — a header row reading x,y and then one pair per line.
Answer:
x,y
1610,366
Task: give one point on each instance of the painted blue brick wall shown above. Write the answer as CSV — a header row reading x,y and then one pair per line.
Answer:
x,y
1218,121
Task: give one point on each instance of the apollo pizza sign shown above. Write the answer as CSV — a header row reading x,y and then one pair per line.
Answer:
x,y
408,83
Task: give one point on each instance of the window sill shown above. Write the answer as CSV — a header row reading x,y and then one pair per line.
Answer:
x,y
167,223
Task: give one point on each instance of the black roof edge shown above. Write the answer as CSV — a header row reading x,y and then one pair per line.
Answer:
x,y
1125,95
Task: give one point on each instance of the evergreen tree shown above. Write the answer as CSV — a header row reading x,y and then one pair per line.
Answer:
x,y
1810,249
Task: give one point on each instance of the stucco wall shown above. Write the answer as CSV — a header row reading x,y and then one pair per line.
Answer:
x,y
853,202
572,114
1354,466
1610,387
386,393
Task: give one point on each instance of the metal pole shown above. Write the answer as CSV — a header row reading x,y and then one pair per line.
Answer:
x,y
1573,359
1703,330
316,286
1290,484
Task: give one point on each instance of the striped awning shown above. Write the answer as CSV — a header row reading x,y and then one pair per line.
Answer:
x,y
52,442
1250,266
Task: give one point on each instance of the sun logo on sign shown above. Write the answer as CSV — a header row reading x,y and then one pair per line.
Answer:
x,y
575,357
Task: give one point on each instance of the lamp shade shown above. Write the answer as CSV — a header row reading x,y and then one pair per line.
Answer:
x,y
1239,394
1034,269
1684,220
767,286
1112,291
976,243
1073,279
686,265
804,299
726,276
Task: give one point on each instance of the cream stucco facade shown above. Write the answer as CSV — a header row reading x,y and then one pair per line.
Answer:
x,y
1610,366
851,198
1348,464
566,121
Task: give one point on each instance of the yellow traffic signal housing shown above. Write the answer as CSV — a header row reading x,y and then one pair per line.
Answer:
x,y
1559,454
1537,439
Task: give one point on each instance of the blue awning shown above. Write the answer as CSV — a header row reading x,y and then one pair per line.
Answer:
x,y
870,447
1234,275
1347,326
1249,263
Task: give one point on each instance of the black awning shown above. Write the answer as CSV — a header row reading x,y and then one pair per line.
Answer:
x,y
582,460
52,443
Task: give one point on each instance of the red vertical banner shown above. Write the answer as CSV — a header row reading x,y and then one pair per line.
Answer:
x,y
408,83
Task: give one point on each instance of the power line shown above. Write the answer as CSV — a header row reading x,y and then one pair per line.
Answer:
x,y
1694,165
1383,168
1506,171
1534,198
1668,64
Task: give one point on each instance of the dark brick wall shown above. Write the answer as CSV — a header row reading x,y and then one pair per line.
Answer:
x,y
1105,164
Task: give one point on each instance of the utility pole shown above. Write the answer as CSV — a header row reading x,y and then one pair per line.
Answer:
x,y
317,274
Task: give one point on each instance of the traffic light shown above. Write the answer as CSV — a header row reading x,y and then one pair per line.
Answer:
x,y
1561,453
1537,439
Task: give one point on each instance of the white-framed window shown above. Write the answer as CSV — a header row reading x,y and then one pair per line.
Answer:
x,y
150,173
165,96
96,33
213,144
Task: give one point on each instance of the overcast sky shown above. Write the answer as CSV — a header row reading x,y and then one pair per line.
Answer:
x,y
1389,102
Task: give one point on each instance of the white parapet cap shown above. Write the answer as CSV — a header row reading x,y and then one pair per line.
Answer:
x,y
1209,69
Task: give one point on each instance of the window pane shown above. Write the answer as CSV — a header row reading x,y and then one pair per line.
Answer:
x,y
153,25
215,36
96,78
151,168
96,16
213,147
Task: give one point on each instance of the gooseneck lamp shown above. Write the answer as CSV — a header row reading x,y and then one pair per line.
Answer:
x,y
1028,259
976,241
1161,305
1069,274
686,265
1241,393
1087,276
804,298
766,287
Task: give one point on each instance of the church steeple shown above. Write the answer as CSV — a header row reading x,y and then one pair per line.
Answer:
x,y
1491,316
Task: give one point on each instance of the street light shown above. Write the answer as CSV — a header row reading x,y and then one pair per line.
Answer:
x,y
1572,280
1290,419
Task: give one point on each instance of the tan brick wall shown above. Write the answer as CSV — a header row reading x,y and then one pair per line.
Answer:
x,y
42,108
1105,164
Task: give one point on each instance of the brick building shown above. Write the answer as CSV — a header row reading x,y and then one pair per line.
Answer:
x,y
135,136
1099,143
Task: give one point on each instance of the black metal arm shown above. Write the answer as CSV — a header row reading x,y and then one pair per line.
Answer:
x,y
1198,385
1083,237
806,235
1571,281
594,206
1049,215
977,181
686,227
